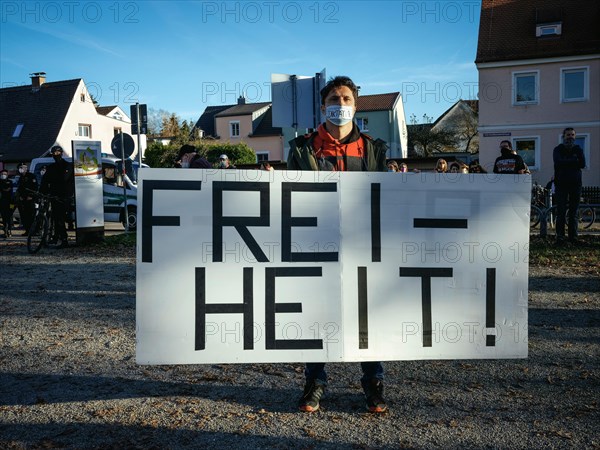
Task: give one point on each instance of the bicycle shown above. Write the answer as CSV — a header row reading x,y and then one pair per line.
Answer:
x,y
41,232
586,216
539,197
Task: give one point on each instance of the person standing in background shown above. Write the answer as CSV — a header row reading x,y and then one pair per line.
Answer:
x,y
568,162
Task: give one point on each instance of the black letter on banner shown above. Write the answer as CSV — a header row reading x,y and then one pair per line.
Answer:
x,y
363,313
241,224
376,222
287,222
440,223
148,220
271,308
202,309
426,274
490,306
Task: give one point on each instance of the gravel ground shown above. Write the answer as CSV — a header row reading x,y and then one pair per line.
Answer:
x,y
68,376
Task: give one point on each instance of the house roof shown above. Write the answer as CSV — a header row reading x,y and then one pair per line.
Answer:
x,y
473,104
105,110
42,114
206,122
243,109
377,102
265,126
507,29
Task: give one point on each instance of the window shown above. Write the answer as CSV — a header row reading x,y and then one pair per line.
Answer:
x,y
262,156
528,148
82,98
574,84
548,29
363,123
234,129
525,88
18,130
116,131
84,130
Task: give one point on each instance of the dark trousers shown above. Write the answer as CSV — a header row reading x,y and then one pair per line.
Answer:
x,y
6,214
59,209
567,196
371,369
27,213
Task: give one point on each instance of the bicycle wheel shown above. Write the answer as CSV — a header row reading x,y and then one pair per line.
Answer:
x,y
551,217
37,233
535,214
587,216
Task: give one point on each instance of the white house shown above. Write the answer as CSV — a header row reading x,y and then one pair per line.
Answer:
x,y
36,117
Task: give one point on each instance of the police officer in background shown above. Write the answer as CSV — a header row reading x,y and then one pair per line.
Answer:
x,y
26,188
59,182
6,187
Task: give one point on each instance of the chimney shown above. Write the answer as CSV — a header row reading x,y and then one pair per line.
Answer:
x,y
37,79
241,100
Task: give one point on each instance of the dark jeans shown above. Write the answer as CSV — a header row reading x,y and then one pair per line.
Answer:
x,y
371,369
7,219
567,197
59,209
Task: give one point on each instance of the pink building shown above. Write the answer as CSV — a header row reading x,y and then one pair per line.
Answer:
x,y
539,72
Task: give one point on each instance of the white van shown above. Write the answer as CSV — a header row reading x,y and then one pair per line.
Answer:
x,y
112,185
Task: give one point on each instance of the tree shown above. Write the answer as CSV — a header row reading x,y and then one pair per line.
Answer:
x,y
465,126
425,140
155,121
170,126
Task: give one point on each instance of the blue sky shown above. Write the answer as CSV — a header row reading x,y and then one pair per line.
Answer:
x,y
183,56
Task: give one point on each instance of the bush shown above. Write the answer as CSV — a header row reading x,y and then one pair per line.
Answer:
x,y
159,155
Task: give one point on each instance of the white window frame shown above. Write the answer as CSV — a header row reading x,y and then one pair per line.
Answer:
x,y
586,145
231,128
360,122
586,84
265,153
18,130
515,75
548,29
82,127
537,151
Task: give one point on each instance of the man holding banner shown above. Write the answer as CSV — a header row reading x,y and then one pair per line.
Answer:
x,y
338,145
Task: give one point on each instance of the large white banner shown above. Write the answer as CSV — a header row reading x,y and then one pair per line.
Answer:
x,y
286,266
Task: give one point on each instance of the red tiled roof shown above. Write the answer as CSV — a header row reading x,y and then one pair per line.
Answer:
x,y
507,29
377,102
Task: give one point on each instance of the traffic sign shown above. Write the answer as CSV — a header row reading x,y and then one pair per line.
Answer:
x,y
128,146
143,118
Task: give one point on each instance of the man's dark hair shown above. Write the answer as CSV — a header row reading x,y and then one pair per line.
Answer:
x,y
186,148
508,142
337,82
568,129
56,148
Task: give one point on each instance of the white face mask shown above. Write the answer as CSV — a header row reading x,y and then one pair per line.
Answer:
x,y
42,172
22,170
185,165
339,115
4,177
